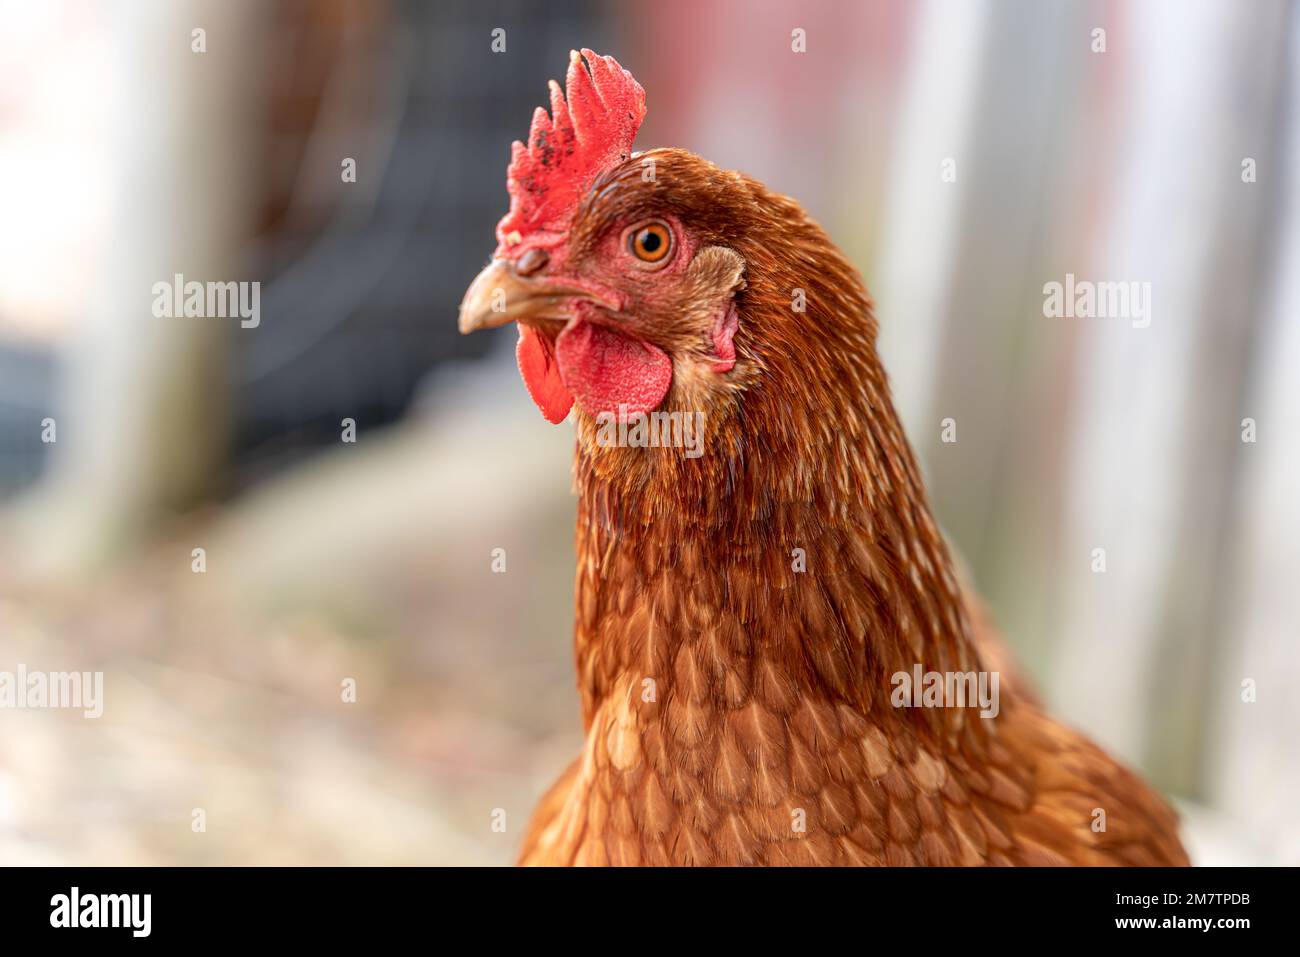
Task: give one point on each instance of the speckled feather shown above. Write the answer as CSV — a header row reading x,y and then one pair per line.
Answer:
x,y
770,686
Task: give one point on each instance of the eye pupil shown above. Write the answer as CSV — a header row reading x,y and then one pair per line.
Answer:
x,y
651,243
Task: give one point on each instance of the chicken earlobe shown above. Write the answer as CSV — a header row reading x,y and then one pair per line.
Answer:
x,y
717,274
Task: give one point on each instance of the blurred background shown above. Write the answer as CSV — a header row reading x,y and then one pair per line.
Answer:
x,y
963,153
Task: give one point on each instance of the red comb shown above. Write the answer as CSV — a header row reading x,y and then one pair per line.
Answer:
x,y
586,134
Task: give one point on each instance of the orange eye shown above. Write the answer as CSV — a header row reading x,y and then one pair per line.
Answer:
x,y
651,242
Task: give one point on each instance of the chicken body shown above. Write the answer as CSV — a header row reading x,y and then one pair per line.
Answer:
x,y
738,711
742,616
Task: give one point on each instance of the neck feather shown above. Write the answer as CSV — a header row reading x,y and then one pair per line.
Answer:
x,y
796,557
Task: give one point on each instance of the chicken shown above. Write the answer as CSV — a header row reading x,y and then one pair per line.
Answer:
x,y
747,616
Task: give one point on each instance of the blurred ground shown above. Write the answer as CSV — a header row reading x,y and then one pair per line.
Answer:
x,y
223,689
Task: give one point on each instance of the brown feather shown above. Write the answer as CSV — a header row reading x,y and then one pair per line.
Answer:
x,y
772,739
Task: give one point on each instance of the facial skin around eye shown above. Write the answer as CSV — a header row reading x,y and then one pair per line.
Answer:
x,y
650,244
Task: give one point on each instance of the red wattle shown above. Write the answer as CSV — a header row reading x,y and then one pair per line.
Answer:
x,y
542,374
604,369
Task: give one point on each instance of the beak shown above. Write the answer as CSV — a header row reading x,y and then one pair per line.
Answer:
x,y
499,295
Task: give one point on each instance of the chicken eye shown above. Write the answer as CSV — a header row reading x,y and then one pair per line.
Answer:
x,y
651,242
